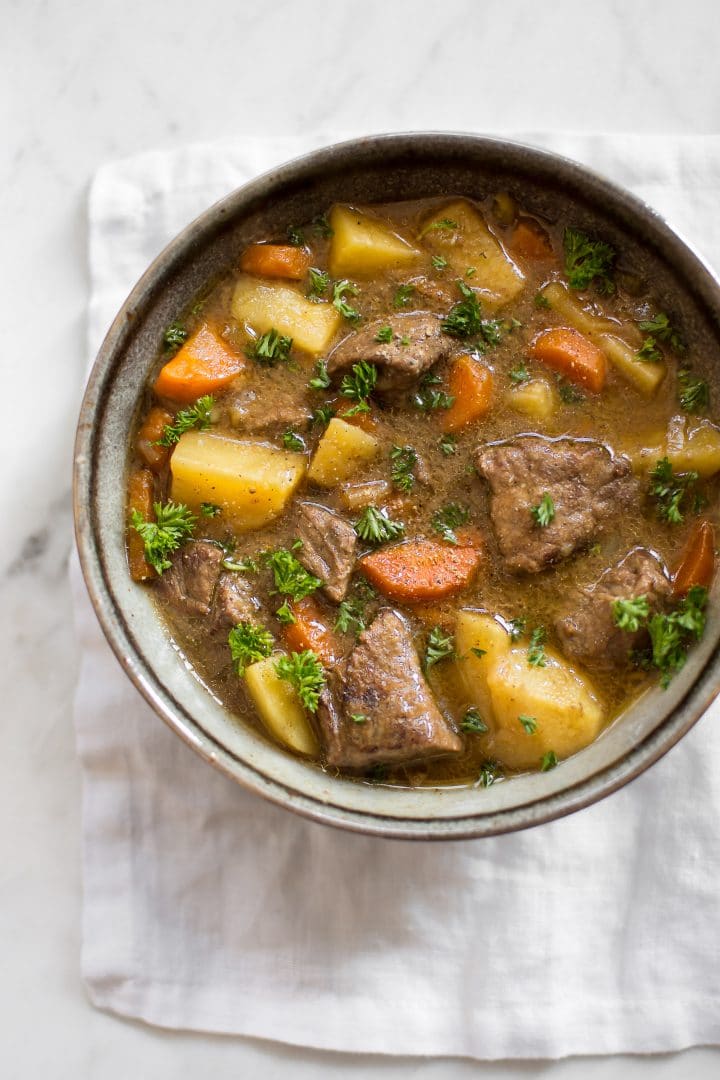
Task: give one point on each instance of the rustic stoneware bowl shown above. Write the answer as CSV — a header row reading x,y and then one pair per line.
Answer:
x,y
366,170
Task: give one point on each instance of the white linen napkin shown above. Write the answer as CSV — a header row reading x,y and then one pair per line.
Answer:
x,y
207,908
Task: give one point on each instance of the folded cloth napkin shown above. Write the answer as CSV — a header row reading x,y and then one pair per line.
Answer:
x,y
208,908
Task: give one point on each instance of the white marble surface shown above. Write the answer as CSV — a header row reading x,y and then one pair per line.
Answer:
x,y
82,81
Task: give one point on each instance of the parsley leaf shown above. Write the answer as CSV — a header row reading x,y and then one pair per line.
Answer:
x,y
292,441
490,771
404,460
529,723
569,395
448,518
444,225
305,674
519,374
245,566
448,445
321,379
439,646
403,295
290,575
427,398
211,510
174,337
351,616
536,648
319,282
358,718
662,329
649,351
544,513
195,416
340,290
588,260
517,629
439,262
671,490
541,301
358,385
384,335
694,393
173,523
671,635
472,722
284,614
323,415
375,527
548,761
295,236
465,318
322,227
630,614
270,348
248,644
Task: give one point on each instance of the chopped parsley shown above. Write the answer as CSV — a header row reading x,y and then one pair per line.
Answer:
x,y
358,718
384,335
439,262
271,348
244,566
548,761
630,614
248,644
284,614
472,722
649,351
544,513
428,398
465,318
519,374
439,646
292,441
444,225
174,337
536,649
210,510
671,491
448,518
323,415
357,385
305,674
319,282
662,329
671,635
529,723
588,260
351,616
517,628
290,576
403,295
404,460
569,395
195,416
375,527
490,771
295,236
321,379
322,227
173,524
541,301
340,290
694,393
448,445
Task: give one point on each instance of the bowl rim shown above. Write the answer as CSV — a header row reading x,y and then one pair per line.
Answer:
x,y
594,787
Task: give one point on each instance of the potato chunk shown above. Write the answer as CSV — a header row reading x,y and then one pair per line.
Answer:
x,y
557,697
251,482
261,306
475,630
646,375
535,398
693,448
280,708
571,310
469,243
341,453
362,245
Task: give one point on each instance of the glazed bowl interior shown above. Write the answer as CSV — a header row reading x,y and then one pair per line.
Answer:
x,y
380,169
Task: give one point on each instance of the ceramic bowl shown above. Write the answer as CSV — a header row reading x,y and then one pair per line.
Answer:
x,y
367,170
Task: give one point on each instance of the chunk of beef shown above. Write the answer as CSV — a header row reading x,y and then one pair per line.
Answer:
x,y
249,412
328,547
233,603
399,366
396,717
587,630
189,584
589,488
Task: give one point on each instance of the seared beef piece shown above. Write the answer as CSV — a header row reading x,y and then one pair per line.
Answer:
x,y
399,366
233,603
190,582
328,547
587,630
384,684
250,414
588,486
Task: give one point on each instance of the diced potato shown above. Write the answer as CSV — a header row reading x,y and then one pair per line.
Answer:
x,y
362,245
262,306
558,697
341,453
251,482
646,375
497,279
280,708
535,398
693,449
370,493
475,630
571,310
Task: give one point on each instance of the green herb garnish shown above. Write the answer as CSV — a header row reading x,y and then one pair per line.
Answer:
x,y
588,260
448,445
295,236
465,317
358,385
439,263
210,510
290,575
248,644
548,761
671,491
472,722
271,348
292,441
305,674
384,335
321,379
174,337
544,513
439,646
351,616
649,351
529,723
536,649
448,518
694,393
519,374
173,524
404,460
375,527
403,295
319,282
490,771
662,329
194,416
630,614
340,290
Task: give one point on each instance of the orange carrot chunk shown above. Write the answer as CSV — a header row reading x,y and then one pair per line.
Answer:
x,y
204,364
420,570
530,241
149,434
573,355
697,561
275,261
471,384
311,631
141,488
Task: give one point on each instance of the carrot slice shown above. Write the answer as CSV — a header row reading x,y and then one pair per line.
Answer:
x,y
697,561
150,432
573,355
420,570
275,261
471,384
141,489
311,631
530,241
204,364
